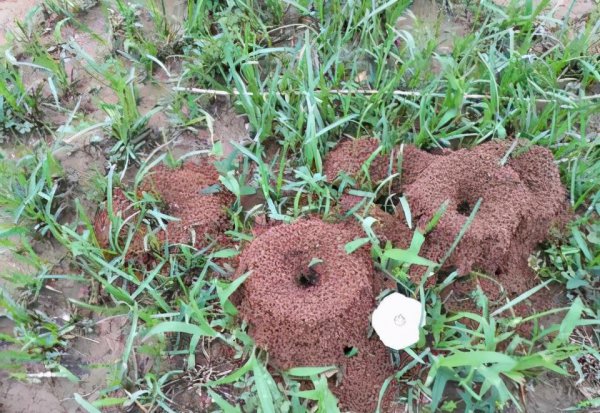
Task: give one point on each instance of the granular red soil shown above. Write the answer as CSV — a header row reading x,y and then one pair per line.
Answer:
x,y
191,194
349,156
521,201
311,315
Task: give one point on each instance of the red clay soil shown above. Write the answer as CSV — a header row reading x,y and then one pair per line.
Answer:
x,y
309,316
521,201
190,193
193,194
349,156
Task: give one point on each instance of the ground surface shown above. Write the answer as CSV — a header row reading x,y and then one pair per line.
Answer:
x,y
94,348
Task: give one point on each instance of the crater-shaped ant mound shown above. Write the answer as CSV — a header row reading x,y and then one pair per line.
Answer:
x,y
522,198
190,193
307,302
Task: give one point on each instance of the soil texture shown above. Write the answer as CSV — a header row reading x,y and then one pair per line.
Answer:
x,y
308,302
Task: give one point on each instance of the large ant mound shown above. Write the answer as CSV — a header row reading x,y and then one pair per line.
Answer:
x,y
306,314
521,199
193,195
308,302
348,158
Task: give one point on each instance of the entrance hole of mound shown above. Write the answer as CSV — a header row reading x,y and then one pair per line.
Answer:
x,y
350,351
308,277
389,203
444,273
464,208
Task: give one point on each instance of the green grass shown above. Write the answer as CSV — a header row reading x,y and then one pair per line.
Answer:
x,y
337,68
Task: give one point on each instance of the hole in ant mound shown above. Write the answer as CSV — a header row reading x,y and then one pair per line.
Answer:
x,y
443,273
389,203
350,351
308,278
464,208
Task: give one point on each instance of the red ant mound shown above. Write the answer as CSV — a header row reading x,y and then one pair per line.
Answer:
x,y
521,199
308,302
387,227
349,156
190,193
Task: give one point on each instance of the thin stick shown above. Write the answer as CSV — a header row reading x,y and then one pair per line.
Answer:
x,y
347,92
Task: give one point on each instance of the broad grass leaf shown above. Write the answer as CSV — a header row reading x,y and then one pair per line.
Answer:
x,y
408,257
543,360
261,377
578,237
521,297
85,404
406,210
569,323
355,244
222,403
236,375
180,327
477,358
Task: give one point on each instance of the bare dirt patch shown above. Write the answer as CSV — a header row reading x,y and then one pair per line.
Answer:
x,y
90,358
227,126
11,10
427,19
574,10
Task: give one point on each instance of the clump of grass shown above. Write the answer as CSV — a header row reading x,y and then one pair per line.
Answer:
x,y
126,125
18,109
